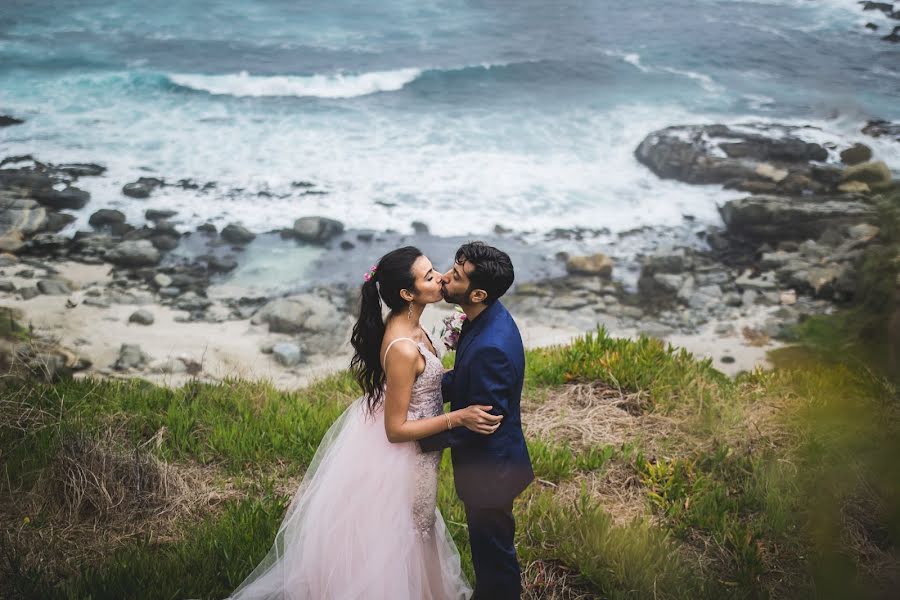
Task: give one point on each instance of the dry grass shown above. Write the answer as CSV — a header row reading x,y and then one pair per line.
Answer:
x,y
589,415
617,488
550,580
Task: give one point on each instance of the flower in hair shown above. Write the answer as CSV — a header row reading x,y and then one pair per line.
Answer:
x,y
370,274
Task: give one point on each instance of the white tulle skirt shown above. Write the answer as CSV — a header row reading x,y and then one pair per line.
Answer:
x,y
362,525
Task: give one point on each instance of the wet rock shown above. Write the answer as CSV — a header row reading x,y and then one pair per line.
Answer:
x,y
286,353
316,230
779,218
142,188
7,121
694,153
82,169
54,287
419,227
134,253
67,197
893,36
879,127
131,356
207,228
57,221
598,265
855,154
157,214
237,234
7,286
885,7
141,317
106,217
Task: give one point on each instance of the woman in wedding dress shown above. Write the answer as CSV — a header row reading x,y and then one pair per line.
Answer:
x,y
364,522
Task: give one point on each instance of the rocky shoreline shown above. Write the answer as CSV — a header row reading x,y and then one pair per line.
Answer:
x,y
124,300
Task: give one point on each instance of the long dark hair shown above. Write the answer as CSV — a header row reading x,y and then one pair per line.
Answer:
x,y
393,273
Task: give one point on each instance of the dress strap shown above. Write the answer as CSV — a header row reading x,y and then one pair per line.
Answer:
x,y
391,345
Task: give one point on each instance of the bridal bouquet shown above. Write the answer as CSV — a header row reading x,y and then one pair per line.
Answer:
x,y
452,327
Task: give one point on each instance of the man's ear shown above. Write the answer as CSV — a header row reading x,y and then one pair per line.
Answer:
x,y
477,296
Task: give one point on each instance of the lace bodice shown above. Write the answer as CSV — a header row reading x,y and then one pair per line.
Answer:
x,y
425,401
426,398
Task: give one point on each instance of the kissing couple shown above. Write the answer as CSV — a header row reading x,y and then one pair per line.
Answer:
x,y
364,522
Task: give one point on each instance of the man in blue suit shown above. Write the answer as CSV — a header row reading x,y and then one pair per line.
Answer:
x,y
489,470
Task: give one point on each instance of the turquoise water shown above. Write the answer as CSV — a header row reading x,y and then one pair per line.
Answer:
x,y
462,115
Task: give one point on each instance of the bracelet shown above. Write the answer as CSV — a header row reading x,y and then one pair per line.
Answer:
x,y
449,422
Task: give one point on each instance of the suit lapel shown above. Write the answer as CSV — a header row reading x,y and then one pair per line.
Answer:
x,y
477,327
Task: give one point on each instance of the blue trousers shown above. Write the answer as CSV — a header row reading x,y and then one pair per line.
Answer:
x,y
497,573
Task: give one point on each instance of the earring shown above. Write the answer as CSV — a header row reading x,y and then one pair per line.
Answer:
x,y
409,313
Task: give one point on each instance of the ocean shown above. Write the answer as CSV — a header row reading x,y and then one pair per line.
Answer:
x,y
459,115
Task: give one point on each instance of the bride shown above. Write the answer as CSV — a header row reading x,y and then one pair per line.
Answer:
x,y
364,522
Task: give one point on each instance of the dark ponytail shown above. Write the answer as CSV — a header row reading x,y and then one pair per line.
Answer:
x,y
393,273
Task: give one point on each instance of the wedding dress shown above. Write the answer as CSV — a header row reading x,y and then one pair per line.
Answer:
x,y
364,522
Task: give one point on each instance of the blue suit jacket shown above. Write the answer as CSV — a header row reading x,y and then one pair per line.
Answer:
x,y
489,470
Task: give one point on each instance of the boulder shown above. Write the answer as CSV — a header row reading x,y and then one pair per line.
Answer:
x,y
237,234
21,215
315,318
54,287
164,243
68,197
11,242
156,214
134,253
598,265
316,230
855,154
773,218
106,217
141,317
286,353
142,188
694,154
131,357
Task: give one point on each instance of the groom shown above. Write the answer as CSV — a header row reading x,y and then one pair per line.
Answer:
x,y
489,470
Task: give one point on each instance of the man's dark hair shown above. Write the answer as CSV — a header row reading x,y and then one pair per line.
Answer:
x,y
492,272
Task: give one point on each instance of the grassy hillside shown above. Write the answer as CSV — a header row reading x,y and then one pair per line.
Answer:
x,y
658,477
